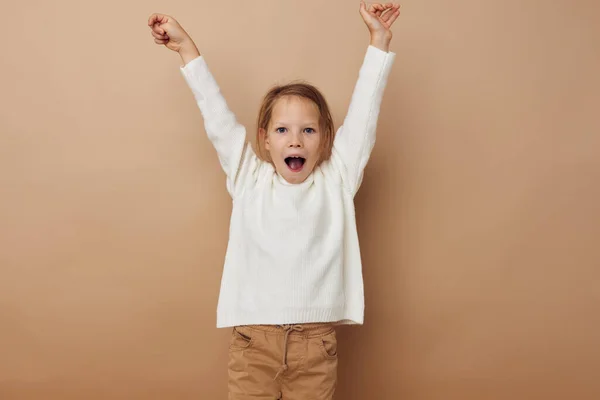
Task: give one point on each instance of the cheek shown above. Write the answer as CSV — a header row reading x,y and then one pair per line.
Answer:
x,y
271,142
315,143
274,147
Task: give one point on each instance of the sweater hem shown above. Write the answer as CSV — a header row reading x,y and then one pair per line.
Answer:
x,y
341,316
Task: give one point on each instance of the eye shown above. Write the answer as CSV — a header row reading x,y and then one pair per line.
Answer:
x,y
280,130
309,130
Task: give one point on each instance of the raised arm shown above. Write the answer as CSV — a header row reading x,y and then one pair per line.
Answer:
x,y
226,134
355,139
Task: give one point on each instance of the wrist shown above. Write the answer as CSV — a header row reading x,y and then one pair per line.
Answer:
x,y
381,41
188,51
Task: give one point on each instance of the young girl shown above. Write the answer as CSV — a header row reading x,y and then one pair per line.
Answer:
x,y
293,266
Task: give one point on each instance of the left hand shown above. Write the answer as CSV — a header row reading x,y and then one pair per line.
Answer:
x,y
379,18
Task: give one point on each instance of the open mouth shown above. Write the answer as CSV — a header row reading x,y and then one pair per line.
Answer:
x,y
295,163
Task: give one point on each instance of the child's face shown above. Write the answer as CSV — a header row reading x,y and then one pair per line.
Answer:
x,y
293,138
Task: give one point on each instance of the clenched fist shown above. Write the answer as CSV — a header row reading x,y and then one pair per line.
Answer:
x,y
379,18
167,31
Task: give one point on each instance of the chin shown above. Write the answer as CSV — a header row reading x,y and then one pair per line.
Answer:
x,y
295,178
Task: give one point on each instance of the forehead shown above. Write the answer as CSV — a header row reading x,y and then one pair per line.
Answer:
x,y
294,108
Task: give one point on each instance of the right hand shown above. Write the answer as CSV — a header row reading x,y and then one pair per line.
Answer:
x,y
379,18
167,31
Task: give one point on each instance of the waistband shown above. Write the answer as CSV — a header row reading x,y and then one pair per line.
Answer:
x,y
308,330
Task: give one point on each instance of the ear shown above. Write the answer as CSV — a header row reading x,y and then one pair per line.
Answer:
x,y
265,136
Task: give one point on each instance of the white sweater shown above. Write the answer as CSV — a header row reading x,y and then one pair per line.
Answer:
x,y
293,254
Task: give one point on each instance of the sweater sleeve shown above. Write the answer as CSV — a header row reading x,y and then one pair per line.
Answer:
x,y
355,139
227,135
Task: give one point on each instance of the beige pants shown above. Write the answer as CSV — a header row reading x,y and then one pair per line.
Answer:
x,y
289,362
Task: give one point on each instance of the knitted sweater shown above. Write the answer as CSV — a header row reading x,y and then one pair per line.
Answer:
x,y
293,254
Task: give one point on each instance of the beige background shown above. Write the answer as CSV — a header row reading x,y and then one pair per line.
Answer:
x,y
479,214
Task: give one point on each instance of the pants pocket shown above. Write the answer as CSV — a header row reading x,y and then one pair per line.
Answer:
x,y
328,346
241,339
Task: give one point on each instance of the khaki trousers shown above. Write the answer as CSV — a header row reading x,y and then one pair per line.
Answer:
x,y
288,362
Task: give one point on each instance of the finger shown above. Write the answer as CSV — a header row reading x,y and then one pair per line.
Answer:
x,y
155,18
156,28
393,18
158,41
377,9
363,8
159,36
387,14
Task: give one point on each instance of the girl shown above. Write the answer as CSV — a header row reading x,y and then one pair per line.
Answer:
x,y
293,266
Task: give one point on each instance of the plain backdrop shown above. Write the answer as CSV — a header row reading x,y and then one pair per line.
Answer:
x,y
479,214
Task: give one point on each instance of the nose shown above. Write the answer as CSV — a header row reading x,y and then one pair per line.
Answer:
x,y
296,139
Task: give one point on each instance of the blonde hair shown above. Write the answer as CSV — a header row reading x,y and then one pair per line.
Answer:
x,y
302,90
